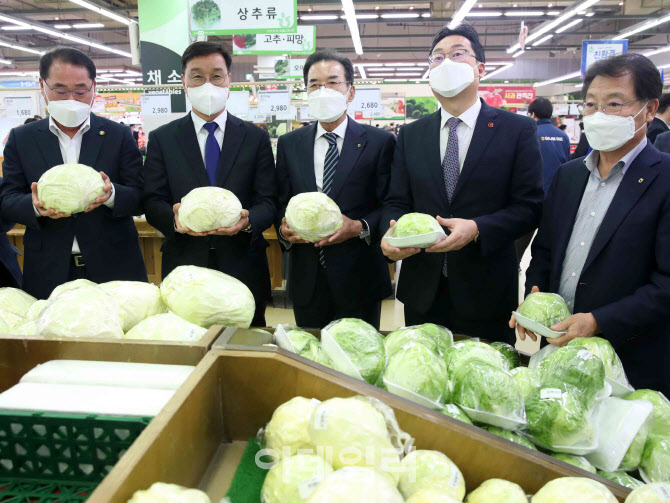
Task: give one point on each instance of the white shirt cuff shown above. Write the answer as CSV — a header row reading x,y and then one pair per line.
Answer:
x,y
110,202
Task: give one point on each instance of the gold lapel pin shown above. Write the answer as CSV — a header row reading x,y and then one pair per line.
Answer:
x,y
640,180
102,133
359,145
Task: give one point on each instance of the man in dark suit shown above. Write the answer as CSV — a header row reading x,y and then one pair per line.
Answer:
x,y
10,272
604,240
660,123
662,142
100,244
343,275
479,170
211,147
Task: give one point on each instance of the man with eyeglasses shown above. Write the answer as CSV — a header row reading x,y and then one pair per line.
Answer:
x,y
479,171
101,244
604,240
211,147
343,275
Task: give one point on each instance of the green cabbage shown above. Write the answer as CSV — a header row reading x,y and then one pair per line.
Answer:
x,y
355,484
417,369
294,478
361,344
136,300
288,428
11,320
71,285
574,490
622,478
655,461
300,339
313,216
15,301
207,297
165,327
633,456
27,328
160,492
414,224
650,493
432,496
508,351
498,491
603,349
511,436
436,338
70,188
575,367
544,308
463,352
313,351
453,410
527,379
36,309
578,461
660,425
209,208
4,328
424,470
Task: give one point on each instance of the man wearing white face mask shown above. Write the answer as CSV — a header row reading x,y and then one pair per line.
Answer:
x,y
211,147
479,171
100,244
344,275
604,240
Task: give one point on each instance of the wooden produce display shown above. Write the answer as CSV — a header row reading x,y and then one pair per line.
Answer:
x,y
199,437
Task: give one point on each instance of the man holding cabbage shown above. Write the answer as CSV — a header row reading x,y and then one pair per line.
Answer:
x,y
210,181
74,180
333,176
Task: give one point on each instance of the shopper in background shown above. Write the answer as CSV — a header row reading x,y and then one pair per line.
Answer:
x,y
583,147
604,240
662,142
211,147
100,244
344,275
660,123
479,170
563,127
10,272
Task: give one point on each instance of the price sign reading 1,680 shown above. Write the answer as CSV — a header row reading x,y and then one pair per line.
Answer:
x,y
278,108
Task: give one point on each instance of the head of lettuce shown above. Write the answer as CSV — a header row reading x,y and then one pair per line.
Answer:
x,y
313,216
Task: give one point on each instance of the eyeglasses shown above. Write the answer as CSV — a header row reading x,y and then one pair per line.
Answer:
x,y
79,93
331,84
612,108
216,79
457,55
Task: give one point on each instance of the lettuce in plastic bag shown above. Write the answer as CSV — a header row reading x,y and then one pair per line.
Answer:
x,y
545,308
313,351
527,379
510,354
603,349
578,461
414,224
575,367
436,338
660,425
417,369
453,410
511,436
655,463
622,478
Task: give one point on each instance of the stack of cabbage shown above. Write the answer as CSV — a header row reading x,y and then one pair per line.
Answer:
x,y
313,216
70,188
160,492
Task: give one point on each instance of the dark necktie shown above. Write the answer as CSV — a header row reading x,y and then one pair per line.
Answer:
x,y
451,168
329,165
212,152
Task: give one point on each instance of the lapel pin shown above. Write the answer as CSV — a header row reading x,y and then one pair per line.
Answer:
x,y
640,180
490,124
359,145
102,133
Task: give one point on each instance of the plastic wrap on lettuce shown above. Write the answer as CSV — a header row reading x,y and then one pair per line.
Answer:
x,y
544,308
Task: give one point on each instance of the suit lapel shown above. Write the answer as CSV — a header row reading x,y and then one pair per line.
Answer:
x,y
635,182
354,143
188,143
48,144
233,137
91,142
432,136
306,161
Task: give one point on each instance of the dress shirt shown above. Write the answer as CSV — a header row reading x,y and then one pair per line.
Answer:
x,y
321,147
598,196
203,134
465,129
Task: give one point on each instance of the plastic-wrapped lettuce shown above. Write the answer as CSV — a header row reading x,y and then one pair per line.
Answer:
x,y
288,428
574,490
489,394
165,327
169,493
436,338
527,379
545,308
511,436
36,309
15,301
82,312
432,496
27,328
633,456
578,461
660,425
355,348
655,463
207,297
355,484
313,216
313,351
462,352
300,338
575,367
424,470
510,354
414,224
622,478
209,208
658,492
498,491
453,410
603,349
137,300
70,188
417,370
71,285
294,478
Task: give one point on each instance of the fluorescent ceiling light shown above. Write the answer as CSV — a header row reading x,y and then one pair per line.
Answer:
x,y
479,13
11,28
318,17
104,12
657,51
568,26
5,62
350,13
518,54
62,26
579,86
524,13
553,12
542,40
363,16
383,74
399,80
15,21
567,76
400,15
88,25
496,72
425,14
590,14
461,13
361,71
369,64
399,64
643,27
20,48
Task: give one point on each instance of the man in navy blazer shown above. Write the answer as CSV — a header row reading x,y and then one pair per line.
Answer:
x,y
604,240
343,275
10,272
100,244
479,170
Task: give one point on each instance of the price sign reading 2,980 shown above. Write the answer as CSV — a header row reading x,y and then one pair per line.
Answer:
x,y
156,104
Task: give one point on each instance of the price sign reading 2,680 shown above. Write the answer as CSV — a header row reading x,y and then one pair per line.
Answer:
x,y
370,105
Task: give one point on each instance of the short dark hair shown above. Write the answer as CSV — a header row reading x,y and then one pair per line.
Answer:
x,y
330,55
462,30
646,77
664,103
68,55
197,49
541,107
29,120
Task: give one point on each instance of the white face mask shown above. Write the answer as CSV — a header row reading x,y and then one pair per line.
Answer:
x,y
451,77
208,99
607,133
69,113
327,105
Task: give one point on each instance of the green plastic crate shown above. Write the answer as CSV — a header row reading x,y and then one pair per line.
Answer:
x,y
39,491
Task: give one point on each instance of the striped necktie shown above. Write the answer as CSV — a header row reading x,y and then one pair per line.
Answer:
x,y
329,165
451,168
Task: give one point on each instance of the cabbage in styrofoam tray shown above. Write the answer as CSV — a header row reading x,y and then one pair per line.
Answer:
x,y
498,491
70,188
355,484
293,479
417,369
313,351
300,338
658,492
424,469
578,461
660,424
574,490
633,456
545,308
464,351
313,216
622,478
166,327
436,338
527,379
414,224
288,428
575,367
209,208
137,300
603,349
510,354
161,492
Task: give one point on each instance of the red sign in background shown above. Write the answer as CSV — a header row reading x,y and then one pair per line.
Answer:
x,y
505,96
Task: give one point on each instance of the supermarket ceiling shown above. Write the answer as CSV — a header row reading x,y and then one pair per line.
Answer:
x,y
389,30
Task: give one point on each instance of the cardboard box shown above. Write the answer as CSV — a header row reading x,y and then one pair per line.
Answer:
x,y
198,438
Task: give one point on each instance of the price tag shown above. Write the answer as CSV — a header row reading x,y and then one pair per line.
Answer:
x,y
368,101
289,115
304,115
156,104
550,394
273,102
238,103
19,108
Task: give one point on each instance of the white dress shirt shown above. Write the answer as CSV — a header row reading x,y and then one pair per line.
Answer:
x,y
321,147
465,129
203,134
70,148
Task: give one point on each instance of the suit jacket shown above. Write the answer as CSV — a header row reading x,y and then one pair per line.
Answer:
x,y
625,282
500,187
8,255
656,127
107,237
174,166
357,271
662,142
